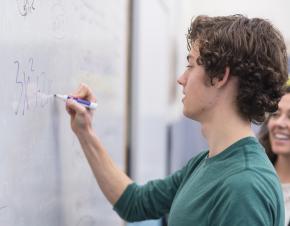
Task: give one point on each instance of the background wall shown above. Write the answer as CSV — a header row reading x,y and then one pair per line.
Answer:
x,y
153,54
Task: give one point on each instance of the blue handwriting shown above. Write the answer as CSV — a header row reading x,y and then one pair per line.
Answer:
x,y
32,85
25,7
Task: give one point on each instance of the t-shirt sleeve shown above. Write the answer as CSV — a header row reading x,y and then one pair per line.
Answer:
x,y
244,200
149,201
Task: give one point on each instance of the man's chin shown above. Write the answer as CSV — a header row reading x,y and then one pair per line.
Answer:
x,y
189,115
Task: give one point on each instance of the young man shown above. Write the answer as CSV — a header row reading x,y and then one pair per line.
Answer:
x,y
236,71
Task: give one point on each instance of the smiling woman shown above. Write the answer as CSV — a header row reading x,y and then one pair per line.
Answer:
x,y
275,137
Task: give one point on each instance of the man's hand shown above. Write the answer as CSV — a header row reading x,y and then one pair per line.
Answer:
x,y
81,117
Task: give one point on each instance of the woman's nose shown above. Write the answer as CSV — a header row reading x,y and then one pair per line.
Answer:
x,y
282,121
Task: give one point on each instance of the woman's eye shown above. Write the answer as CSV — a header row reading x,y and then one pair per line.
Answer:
x,y
275,115
189,66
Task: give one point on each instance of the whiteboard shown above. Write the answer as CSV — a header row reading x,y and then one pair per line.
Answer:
x,y
49,47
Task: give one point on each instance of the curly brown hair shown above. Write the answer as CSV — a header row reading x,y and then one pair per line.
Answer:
x,y
253,50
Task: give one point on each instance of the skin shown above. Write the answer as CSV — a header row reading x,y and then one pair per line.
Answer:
x,y
110,178
211,105
279,133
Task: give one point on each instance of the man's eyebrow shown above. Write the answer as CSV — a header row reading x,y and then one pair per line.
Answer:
x,y
189,57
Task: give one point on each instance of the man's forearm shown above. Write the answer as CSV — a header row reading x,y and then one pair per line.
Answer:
x,y
110,178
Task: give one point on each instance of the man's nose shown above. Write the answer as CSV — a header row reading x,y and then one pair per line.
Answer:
x,y
181,80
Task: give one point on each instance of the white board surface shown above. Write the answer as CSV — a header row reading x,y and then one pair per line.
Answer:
x,y
49,47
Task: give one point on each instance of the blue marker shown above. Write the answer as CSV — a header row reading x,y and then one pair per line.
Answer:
x,y
85,103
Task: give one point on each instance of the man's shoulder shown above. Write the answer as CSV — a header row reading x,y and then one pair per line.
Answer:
x,y
251,181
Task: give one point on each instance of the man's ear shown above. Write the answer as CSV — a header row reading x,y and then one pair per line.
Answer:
x,y
220,82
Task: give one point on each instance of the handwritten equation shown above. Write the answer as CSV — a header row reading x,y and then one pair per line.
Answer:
x,y
25,7
32,87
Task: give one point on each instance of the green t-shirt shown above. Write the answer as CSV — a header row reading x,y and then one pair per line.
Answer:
x,y
239,186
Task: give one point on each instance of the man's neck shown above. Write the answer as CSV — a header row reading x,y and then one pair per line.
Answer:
x,y
222,124
220,134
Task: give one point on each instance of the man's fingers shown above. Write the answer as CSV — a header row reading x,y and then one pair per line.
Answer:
x,y
84,92
69,110
73,106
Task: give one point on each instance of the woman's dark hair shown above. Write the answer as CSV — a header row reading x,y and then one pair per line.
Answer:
x,y
265,139
254,51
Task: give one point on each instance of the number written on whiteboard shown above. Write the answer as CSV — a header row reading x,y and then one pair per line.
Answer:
x,y
25,7
32,85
